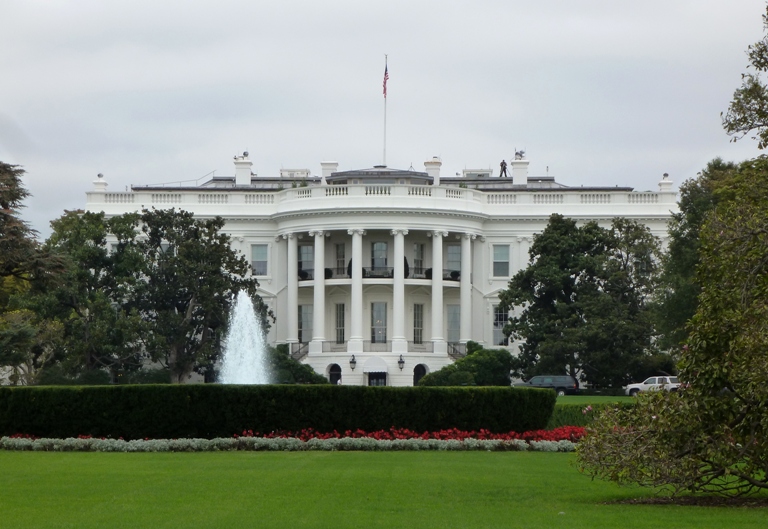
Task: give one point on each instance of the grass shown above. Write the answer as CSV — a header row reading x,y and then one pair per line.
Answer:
x,y
591,399
327,489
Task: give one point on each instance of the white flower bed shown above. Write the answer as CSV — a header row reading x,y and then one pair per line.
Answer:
x,y
283,444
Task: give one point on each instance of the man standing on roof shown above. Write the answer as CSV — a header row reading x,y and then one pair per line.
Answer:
x,y
503,172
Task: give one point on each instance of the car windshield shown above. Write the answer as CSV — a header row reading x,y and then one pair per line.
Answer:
x,y
651,380
673,380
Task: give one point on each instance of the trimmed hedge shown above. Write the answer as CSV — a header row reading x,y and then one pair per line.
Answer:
x,y
212,410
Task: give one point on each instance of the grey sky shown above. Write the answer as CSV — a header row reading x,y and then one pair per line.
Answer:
x,y
602,92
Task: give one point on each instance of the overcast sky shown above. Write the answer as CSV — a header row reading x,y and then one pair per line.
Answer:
x,y
598,92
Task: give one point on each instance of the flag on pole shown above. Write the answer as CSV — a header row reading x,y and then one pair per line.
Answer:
x,y
386,78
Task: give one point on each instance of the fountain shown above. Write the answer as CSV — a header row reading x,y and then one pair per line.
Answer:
x,y
245,350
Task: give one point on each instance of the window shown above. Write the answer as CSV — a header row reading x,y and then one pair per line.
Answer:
x,y
339,322
501,260
378,322
305,323
306,261
259,259
453,257
379,256
500,318
418,259
377,379
341,264
418,323
454,323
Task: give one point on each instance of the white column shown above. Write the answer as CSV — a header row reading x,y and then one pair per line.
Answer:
x,y
439,343
292,306
465,286
318,311
399,342
355,343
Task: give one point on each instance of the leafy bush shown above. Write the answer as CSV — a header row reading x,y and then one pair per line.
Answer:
x,y
481,367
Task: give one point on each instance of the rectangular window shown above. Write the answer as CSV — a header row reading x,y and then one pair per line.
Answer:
x,y
259,259
379,256
418,259
500,319
378,322
453,257
305,323
501,260
453,312
377,379
418,323
340,323
306,261
341,265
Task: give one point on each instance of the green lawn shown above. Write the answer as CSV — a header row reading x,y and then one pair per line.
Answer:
x,y
591,399
327,489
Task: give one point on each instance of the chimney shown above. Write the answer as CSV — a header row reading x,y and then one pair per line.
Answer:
x,y
519,171
665,186
328,168
433,169
100,185
243,170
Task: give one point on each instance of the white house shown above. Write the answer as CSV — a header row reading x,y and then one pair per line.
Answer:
x,y
381,275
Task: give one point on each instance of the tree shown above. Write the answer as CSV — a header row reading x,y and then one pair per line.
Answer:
x,y
187,282
711,436
677,297
748,111
582,302
481,367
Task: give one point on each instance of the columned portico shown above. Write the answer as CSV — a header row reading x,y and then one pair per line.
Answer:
x,y
355,343
399,341
318,313
465,295
292,304
438,340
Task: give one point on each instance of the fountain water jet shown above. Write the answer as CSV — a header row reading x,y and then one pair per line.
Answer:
x,y
245,350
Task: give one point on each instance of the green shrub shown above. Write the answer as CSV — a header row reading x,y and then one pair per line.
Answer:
x,y
212,410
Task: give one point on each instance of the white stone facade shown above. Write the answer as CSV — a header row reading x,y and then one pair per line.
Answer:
x,y
377,249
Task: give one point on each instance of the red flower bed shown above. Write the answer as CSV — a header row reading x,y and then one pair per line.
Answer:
x,y
564,433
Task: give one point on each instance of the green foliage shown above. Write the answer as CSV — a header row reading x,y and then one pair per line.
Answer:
x,y
188,276
583,301
481,367
159,290
677,296
212,410
286,370
711,436
748,110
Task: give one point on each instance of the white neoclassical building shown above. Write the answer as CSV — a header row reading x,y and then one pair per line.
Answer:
x,y
380,275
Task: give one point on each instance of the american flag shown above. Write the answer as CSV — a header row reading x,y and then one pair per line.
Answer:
x,y
386,78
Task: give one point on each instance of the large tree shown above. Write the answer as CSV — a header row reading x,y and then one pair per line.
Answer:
x,y
189,276
581,305
712,436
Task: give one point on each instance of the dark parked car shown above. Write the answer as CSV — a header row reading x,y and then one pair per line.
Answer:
x,y
563,385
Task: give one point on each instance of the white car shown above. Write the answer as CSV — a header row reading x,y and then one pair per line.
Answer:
x,y
652,384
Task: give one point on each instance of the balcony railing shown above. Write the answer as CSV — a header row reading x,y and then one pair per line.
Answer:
x,y
457,350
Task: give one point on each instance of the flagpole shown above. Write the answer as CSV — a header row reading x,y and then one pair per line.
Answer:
x,y
386,77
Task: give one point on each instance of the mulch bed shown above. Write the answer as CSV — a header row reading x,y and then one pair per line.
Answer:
x,y
700,501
